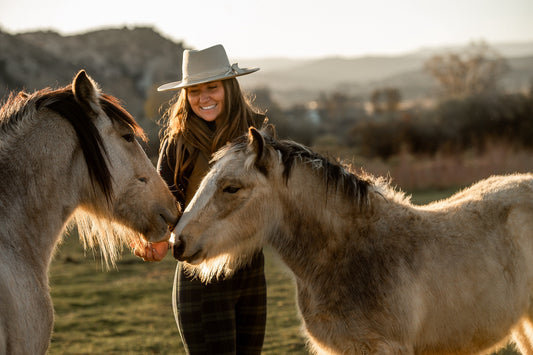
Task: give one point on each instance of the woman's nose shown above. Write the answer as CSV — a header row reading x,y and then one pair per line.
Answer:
x,y
204,96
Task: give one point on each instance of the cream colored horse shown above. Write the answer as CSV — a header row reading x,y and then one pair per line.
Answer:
x,y
374,273
65,152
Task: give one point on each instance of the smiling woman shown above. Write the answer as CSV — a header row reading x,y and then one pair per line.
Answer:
x,y
227,315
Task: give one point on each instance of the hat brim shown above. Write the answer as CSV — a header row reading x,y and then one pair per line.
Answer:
x,y
175,85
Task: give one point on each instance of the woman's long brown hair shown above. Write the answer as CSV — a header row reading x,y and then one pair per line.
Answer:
x,y
189,134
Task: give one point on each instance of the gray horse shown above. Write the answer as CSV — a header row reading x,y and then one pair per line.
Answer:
x,y
374,273
67,152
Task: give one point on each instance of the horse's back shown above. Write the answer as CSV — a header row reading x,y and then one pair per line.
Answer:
x,y
489,256
515,185
499,188
510,200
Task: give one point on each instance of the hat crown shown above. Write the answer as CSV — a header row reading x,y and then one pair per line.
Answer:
x,y
206,63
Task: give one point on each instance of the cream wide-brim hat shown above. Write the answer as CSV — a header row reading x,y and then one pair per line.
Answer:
x,y
206,65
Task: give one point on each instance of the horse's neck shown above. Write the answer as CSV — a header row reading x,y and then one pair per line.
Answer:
x,y
38,197
314,226
318,240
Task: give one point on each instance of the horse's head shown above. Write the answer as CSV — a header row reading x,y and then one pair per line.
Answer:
x,y
223,225
125,188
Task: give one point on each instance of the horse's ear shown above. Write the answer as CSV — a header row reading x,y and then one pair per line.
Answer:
x,y
257,145
256,142
86,91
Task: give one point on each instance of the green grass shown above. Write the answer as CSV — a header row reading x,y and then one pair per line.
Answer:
x,y
128,310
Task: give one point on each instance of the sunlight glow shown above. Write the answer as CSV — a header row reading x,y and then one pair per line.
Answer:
x,y
271,29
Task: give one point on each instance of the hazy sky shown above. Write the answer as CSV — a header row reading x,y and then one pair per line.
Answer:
x,y
288,28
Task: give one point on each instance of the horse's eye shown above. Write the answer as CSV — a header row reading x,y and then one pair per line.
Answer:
x,y
231,189
130,137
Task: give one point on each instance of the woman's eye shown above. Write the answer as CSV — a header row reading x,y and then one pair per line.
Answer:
x,y
130,137
231,189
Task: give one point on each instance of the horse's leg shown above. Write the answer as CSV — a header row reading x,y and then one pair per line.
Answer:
x,y
3,341
523,337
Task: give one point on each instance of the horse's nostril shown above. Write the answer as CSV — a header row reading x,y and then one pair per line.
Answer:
x,y
178,248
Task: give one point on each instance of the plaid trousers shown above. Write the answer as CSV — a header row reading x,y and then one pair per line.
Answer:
x,y
226,316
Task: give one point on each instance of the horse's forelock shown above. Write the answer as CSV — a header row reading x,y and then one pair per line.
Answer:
x,y
237,145
113,109
64,103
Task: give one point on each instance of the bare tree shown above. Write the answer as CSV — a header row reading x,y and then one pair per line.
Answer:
x,y
476,70
385,100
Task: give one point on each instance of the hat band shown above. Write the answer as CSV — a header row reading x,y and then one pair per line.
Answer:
x,y
234,69
210,74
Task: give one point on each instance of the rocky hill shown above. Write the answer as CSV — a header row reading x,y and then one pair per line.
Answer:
x,y
127,63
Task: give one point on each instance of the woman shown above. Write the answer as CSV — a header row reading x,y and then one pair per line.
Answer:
x,y
226,316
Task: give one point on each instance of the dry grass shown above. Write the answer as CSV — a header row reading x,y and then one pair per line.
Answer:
x,y
414,173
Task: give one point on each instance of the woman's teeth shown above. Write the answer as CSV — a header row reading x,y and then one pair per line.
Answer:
x,y
208,107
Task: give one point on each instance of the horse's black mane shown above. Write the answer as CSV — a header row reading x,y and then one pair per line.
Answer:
x,y
63,102
334,174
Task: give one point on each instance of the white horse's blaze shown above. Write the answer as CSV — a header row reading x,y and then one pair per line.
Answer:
x,y
208,188
52,168
374,274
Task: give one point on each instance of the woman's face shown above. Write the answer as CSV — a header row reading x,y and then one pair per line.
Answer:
x,y
207,100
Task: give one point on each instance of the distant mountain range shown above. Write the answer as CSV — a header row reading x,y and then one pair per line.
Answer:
x,y
508,50
291,79
131,62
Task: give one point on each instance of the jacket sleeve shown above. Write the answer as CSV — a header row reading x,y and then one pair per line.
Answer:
x,y
166,167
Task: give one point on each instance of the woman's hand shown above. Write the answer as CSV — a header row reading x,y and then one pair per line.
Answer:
x,y
152,251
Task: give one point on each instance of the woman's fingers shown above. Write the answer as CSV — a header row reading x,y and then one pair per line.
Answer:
x,y
152,251
159,250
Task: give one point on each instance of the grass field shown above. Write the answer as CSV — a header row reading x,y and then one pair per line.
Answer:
x,y
128,310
